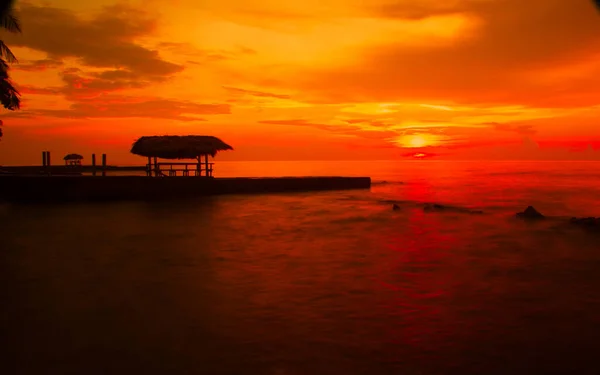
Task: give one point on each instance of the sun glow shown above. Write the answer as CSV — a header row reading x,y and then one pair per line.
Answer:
x,y
415,141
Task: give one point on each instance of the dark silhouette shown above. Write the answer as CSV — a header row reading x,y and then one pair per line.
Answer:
x,y
179,147
9,95
73,159
530,213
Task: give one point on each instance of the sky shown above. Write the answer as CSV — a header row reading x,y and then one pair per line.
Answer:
x,y
309,80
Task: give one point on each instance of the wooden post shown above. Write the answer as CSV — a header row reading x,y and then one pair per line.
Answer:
x,y
44,162
48,163
198,166
93,164
103,165
149,167
206,164
156,171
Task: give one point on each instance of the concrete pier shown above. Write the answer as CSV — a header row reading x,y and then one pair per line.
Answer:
x,y
109,188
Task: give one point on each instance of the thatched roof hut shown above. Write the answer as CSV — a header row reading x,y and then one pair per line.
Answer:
x,y
73,157
178,147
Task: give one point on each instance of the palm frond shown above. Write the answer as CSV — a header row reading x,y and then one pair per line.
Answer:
x,y
11,23
6,7
7,54
9,95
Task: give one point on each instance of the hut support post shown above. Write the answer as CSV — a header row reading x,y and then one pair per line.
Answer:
x,y
156,171
93,164
44,161
48,163
149,167
103,165
206,164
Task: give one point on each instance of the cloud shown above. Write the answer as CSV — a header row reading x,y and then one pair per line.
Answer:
x,y
37,65
81,85
204,56
415,10
516,39
28,89
374,137
116,106
519,129
107,40
111,60
238,91
301,122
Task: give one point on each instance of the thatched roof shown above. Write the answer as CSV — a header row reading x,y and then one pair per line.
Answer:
x,y
178,147
73,157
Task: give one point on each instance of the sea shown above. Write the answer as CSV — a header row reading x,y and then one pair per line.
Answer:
x,y
331,283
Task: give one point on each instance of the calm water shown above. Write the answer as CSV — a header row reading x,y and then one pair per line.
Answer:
x,y
320,283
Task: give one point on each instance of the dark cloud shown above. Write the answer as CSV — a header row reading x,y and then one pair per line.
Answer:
x,y
237,91
420,154
111,61
37,65
115,106
79,85
202,56
28,89
107,40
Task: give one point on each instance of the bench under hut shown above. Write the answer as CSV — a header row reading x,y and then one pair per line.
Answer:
x,y
175,147
73,159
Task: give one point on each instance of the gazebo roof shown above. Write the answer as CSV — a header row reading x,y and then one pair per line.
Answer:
x,y
178,147
73,157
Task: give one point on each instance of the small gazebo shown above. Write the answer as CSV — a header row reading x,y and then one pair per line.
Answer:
x,y
175,147
73,159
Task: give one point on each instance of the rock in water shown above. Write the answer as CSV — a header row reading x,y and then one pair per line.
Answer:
x,y
433,207
530,213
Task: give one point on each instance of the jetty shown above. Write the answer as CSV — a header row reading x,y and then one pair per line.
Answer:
x,y
157,180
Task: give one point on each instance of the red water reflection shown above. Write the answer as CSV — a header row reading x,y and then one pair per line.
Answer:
x,y
421,276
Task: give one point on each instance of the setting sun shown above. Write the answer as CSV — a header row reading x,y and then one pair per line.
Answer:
x,y
414,141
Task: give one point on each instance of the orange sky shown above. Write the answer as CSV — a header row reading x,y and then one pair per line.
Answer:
x,y
311,79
